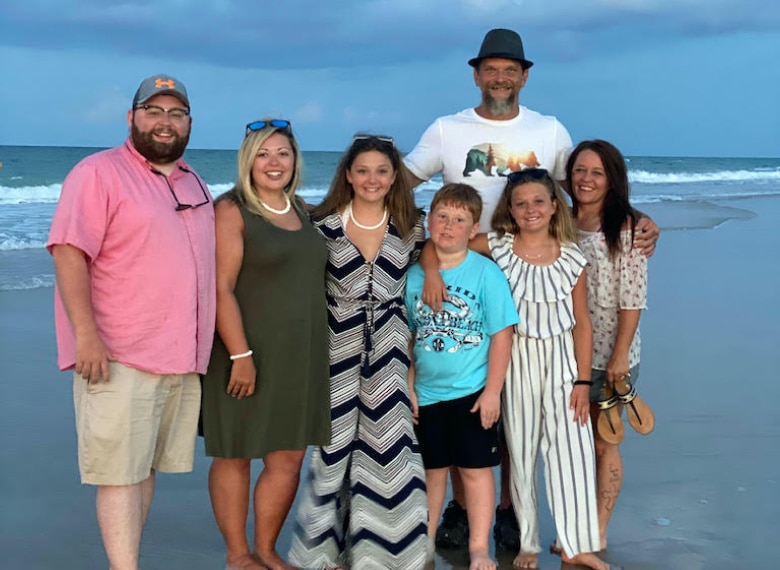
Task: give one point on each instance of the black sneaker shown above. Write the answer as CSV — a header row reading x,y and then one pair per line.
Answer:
x,y
453,532
506,532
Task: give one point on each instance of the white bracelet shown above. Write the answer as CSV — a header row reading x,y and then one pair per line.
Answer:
x,y
242,355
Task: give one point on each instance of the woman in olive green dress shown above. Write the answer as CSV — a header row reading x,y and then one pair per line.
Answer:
x,y
266,391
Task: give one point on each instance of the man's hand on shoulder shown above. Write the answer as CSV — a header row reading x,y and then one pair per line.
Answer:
x,y
646,235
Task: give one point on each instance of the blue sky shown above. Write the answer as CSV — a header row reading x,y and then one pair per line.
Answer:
x,y
656,77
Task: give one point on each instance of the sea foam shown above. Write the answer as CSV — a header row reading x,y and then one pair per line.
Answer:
x,y
645,177
47,194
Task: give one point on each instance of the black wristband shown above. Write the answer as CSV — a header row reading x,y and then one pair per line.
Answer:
x,y
583,382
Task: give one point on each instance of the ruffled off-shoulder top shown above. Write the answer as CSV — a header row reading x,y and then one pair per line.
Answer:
x,y
542,293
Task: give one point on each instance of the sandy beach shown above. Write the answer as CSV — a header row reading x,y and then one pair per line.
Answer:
x,y
701,492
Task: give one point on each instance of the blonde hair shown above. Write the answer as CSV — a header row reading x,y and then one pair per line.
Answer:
x,y
561,226
244,191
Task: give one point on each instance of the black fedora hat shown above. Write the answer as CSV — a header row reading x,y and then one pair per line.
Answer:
x,y
502,43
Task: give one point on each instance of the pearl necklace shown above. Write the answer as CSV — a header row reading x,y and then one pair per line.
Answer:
x,y
361,226
274,210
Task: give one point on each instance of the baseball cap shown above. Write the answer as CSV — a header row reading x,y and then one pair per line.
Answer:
x,y
160,85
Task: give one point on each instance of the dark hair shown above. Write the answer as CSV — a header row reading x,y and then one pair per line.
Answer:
x,y
617,207
400,198
459,196
561,224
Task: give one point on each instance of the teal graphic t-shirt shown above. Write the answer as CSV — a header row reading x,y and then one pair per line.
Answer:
x,y
451,347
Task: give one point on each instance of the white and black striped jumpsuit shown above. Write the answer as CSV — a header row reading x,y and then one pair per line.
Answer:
x,y
537,392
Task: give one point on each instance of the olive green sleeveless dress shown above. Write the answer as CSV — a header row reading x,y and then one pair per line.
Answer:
x,y
281,295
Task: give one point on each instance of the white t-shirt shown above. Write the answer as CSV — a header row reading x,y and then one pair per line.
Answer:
x,y
481,152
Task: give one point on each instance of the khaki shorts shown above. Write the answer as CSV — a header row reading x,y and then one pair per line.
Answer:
x,y
135,423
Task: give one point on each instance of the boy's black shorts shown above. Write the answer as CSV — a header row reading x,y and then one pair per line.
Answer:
x,y
451,435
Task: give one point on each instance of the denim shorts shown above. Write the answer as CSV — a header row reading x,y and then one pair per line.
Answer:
x,y
599,378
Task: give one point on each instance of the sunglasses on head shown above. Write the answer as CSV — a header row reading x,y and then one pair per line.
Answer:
x,y
528,174
275,123
380,138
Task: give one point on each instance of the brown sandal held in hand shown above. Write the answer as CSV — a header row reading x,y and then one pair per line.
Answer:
x,y
609,425
639,414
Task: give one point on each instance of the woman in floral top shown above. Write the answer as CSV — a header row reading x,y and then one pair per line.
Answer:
x,y
617,290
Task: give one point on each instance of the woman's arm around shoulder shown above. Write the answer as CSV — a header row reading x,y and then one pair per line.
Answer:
x,y
480,245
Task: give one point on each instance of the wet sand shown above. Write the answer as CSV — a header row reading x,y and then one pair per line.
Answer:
x,y
702,491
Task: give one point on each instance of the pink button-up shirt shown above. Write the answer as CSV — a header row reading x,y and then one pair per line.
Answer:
x,y
151,267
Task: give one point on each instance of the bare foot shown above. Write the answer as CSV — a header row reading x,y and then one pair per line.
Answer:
x,y
586,559
243,562
526,560
272,561
480,560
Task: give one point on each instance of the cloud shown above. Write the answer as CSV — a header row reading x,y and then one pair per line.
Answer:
x,y
358,118
310,113
302,34
105,106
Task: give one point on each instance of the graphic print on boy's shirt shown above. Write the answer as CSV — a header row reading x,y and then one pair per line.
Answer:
x,y
458,326
451,347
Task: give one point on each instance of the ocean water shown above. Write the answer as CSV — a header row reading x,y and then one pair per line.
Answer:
x,y
31,180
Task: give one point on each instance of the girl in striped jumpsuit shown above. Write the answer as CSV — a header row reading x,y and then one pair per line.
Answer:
x,y
546,393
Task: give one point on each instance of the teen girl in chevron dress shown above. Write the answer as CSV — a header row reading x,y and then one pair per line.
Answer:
x,y
365,505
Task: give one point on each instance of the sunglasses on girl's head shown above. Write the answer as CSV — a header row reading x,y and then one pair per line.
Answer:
x,y
527,174
275,123
384,139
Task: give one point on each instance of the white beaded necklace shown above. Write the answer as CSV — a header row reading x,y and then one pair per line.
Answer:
x,y
274,210
524,254
361,226
529,256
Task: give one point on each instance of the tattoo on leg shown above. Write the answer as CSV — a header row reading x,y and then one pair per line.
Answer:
x,y
610,494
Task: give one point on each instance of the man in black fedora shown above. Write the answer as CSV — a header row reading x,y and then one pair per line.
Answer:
x,y
480,146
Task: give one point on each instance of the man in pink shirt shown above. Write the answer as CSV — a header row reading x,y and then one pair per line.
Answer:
x,y
133,246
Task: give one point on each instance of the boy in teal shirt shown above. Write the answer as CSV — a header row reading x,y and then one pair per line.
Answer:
x,y
461,354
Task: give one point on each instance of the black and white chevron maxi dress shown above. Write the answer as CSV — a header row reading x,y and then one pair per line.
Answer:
x,y
364,506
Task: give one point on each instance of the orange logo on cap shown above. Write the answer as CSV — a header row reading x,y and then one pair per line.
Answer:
x,y
160,84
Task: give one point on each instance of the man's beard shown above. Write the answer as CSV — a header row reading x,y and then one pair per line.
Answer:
x,y
158,152
499,107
